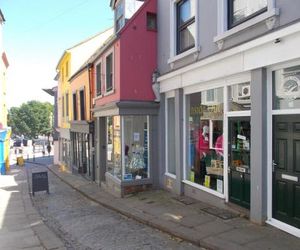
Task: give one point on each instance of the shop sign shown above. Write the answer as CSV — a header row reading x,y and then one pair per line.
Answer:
x,y
40,182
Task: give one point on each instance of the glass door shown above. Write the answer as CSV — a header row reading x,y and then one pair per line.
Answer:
x,y
239,160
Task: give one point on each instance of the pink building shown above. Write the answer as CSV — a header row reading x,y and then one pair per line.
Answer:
x,y
125,105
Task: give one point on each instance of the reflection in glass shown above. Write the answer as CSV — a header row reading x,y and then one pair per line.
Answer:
x,y
286,88
113,156
239,97
244,8
205,138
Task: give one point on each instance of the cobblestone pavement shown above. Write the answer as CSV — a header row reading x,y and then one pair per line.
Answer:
x,y
84,224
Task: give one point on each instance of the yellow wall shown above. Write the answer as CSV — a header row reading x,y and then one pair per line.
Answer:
x,y
3,107
64,89
81,82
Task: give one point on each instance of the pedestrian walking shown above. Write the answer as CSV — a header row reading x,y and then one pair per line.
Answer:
x,y
49,148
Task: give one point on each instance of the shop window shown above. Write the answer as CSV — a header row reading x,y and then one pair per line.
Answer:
x,y
98,79
286,88
242,10
239,97
151,21
109,72
186,28
113,149
136,147
74,107
170,130
204,163
82,105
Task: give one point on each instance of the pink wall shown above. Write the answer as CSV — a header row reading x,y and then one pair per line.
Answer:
x,y
115,95
134,60
138,56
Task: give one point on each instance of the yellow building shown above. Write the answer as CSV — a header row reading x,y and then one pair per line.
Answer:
x,y
69,63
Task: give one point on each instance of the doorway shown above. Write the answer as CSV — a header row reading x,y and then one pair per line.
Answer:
x,y
239,136
286,169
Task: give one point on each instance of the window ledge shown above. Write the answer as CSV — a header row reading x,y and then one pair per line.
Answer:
x,y
98,97
109,92
194,50
255,20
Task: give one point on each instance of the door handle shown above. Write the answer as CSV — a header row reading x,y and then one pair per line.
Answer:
x,y
273,165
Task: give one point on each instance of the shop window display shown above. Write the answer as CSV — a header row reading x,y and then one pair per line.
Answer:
x,y
113,153
205,139
136,147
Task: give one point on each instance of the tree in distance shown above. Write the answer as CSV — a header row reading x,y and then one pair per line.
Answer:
x,y
31,119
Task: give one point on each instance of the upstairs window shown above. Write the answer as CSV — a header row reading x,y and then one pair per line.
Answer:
x,y
242,10
98,79
67,105
151,21
109,72
74,107
82,111
120,18
186,27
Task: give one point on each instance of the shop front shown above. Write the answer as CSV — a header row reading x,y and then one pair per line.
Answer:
x,y
126,150
82,144
217,139
284,194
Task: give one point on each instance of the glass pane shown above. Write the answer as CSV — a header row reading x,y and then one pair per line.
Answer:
x,y
239,140
136,149
171,136
186,10
187,37
205,139
113,156
286,87
239,97
245,8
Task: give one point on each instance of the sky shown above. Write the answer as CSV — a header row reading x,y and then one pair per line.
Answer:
x,y
35,35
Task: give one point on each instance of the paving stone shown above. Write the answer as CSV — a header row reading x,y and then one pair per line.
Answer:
x,y
215,242
196,220
244,235
213,228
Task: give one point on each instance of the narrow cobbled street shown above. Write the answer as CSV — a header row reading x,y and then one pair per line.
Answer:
x,y
84,224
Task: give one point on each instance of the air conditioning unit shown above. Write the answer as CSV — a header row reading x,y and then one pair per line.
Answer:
x,y
245,92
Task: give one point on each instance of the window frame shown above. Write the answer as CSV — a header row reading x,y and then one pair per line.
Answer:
x,y
223,32
98,92
174,56
111,89
231,24
74,99
181,27
82,104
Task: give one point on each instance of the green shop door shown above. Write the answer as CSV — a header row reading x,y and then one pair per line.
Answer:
x,y
286,169
239,161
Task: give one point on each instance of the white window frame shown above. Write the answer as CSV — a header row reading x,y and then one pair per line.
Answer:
x,y
173,33
224,32
110,52
100,61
